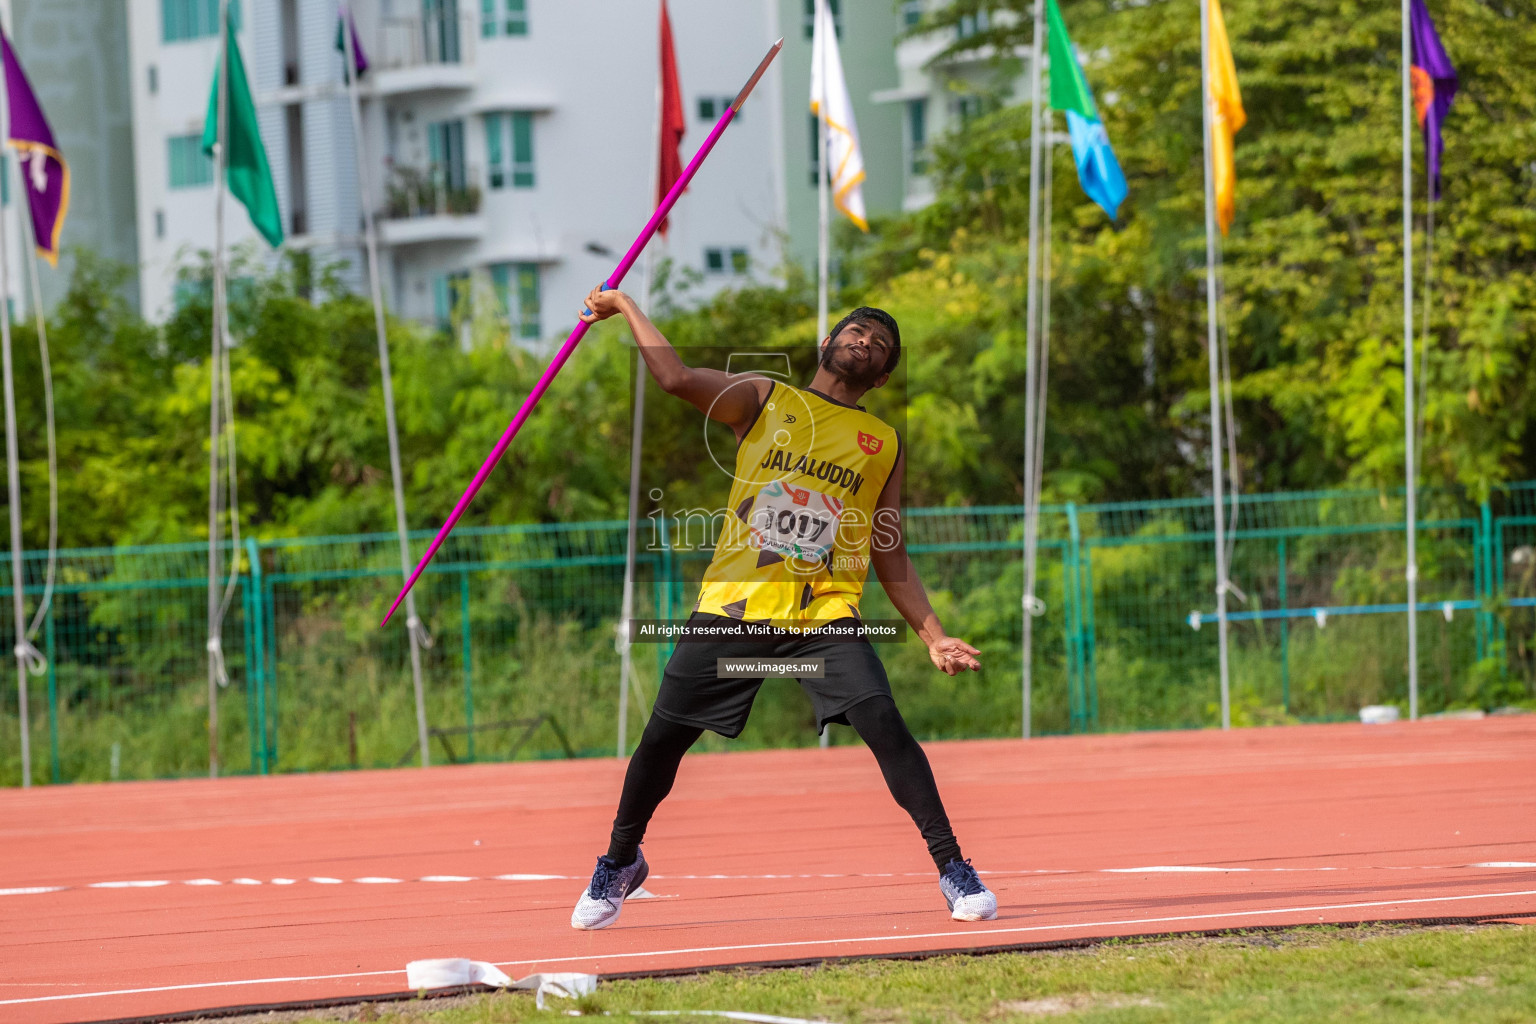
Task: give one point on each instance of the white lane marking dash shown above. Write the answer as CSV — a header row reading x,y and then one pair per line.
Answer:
x,y
1166,869
1504,864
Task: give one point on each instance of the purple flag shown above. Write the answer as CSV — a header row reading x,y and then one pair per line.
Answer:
x,y
1433,78
359,60
44,174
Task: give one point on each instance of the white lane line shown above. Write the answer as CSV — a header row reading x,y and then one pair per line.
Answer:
x,y
198,985
1166,869
533,878
1151,869
742,947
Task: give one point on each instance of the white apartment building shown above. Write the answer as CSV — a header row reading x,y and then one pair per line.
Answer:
x,y
507,140
510,143
938,94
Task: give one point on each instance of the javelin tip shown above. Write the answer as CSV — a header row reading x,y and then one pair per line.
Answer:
x,y
746,90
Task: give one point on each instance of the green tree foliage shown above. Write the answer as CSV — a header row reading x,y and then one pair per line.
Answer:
x,y
1313,268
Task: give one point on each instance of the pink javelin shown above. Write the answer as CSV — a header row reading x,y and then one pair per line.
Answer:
x,y
581,327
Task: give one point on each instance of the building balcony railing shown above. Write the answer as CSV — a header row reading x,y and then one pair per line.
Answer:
x,y
436,190
443,39
436,203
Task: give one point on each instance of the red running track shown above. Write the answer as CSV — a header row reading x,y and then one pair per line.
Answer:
x,y
142,898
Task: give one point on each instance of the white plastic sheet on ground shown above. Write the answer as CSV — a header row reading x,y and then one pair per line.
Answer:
x,y
454,971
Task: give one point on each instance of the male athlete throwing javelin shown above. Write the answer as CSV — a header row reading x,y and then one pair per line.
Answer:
x,y
815,498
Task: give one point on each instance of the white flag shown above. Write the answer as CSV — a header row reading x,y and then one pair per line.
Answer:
x,y
828,86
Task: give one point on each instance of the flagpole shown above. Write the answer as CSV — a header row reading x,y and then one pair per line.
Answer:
x,y
13,484
1411,478
824,168
636,447
415,630
1211,352
822,191
216,360
1031,349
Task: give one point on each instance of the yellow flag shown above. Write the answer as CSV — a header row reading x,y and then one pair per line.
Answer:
x,y
1227,116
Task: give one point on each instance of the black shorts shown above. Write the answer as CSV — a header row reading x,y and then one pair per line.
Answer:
x,y
693,692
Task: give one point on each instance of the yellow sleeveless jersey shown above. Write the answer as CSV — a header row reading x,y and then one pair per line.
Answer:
x,y
796,540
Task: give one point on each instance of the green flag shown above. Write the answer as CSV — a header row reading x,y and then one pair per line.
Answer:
x,y
250,179
1069,89
1097,169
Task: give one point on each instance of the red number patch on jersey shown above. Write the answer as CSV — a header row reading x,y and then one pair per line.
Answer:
x,y
870,443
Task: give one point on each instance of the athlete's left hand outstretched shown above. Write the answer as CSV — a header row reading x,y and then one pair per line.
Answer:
x,y
953,656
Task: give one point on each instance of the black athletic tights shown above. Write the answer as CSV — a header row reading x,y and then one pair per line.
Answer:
x,y
653,768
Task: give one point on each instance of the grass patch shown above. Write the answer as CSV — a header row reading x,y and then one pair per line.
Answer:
x,y
1484,973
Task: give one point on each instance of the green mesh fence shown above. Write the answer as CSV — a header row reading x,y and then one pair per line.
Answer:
x,y
524,660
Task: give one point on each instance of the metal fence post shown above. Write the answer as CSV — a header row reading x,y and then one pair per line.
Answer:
x,y
1487,628
1077,684
258,673
667,565
53,696
467,657
247,607
1285,633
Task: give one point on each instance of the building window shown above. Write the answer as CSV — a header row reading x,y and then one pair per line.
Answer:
x,y
917,136
968,108
445,151
189,165
911,13
448,291
503,18
181,20
973,24
154,80
509,149
712,107
517,290
522,149
496,150
159,223
718,261
191,291
810,17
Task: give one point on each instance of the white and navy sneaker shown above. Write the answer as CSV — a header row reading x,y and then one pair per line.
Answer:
x,y
601,901
968,899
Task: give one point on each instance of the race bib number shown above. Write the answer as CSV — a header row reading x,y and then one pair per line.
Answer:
x,y
794,522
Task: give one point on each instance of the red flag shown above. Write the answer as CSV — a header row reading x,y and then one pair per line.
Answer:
x,y
673,123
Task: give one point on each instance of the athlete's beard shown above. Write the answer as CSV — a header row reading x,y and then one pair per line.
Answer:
x,y
838,359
